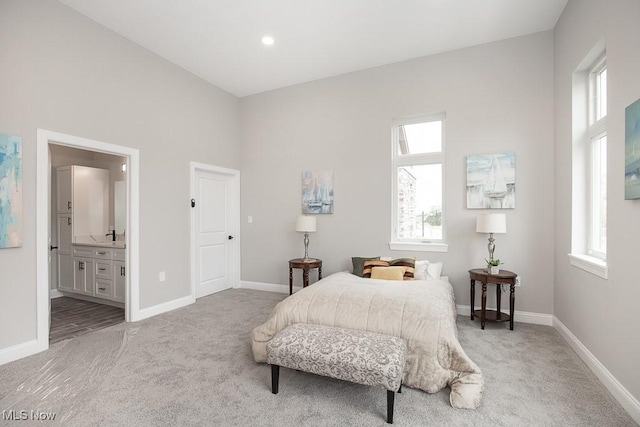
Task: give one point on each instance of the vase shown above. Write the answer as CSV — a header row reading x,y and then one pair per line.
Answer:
x,y
494,269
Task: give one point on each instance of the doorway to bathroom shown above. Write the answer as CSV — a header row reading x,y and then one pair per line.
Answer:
x,y
87,244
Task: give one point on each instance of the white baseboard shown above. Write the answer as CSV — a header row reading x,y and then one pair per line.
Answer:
x,y
54,293
622,395
518,316
19,351
145,313
267,287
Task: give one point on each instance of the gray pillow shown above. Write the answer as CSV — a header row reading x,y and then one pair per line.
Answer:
x,y
358,264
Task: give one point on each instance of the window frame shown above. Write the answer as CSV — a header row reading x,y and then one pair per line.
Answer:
x,y
589,127
433,158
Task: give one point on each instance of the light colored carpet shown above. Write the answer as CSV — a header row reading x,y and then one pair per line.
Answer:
x,y
193,366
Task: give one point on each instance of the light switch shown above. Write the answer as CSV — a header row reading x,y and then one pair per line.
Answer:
x,y
162,276
250,219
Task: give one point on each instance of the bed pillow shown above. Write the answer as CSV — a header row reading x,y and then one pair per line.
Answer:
x,y
358,264
388,273
408,263
369,264
428,270
434,270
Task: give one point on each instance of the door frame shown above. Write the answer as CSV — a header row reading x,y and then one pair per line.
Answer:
x,y
43,224
235,221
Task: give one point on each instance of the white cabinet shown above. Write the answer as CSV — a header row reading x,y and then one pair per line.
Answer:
x,y
119,275
98,272
83,276
82,202
65,261
64,183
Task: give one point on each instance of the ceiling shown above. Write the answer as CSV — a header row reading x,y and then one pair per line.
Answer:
x,y
220,40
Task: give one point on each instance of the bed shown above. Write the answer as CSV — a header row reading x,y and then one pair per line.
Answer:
x,y
420,311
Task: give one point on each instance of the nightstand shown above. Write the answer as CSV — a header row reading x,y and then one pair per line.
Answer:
x,y
305,265
505,277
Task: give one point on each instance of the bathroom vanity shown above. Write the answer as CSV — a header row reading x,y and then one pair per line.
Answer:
x,y
90,263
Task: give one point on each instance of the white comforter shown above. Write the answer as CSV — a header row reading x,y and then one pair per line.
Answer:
x,y
421,312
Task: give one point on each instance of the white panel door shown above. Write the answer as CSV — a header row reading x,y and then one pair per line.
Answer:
x,y
213,234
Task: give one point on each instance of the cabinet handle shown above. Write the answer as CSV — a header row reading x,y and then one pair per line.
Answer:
x,y
103,289
102,253
81,265
102,269
69,205
69,221
122,271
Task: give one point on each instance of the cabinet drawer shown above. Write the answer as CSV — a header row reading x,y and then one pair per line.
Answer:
x,y
103,253
103,269
104,288
83,251
93,252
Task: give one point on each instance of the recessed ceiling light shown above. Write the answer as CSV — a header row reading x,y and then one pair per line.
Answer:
x,y
267,40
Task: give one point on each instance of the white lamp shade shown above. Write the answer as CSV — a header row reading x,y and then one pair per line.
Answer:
x,y
491,223
306,224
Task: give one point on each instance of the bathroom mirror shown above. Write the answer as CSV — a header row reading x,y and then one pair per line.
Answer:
x,y
120,206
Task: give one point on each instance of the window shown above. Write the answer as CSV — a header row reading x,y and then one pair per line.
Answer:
x,y
418,159
589,218
597,131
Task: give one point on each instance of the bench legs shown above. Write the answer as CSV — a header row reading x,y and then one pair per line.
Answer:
x,y
390,398
275,373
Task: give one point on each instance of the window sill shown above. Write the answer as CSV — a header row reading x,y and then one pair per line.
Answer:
x,y
419,247
590,264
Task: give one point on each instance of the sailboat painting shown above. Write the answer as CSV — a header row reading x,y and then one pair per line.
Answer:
x,y
632,152
491,181
317,192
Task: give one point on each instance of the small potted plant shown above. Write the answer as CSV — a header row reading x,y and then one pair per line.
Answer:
x,y
493,265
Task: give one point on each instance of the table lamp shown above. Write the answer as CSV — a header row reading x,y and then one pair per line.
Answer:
x,y
491,223
306,224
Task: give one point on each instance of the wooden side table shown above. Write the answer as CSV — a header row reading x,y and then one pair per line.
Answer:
x,y
504,277
305,265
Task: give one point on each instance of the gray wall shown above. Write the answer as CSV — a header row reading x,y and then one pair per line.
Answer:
x,y
497,97
63,72
600,313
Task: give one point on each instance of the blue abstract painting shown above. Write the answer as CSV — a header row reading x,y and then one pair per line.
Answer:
x,y
10,191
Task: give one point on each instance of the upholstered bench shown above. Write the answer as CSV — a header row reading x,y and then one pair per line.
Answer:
x,y
357,356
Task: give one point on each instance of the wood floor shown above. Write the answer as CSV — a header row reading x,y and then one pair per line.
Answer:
x,y
71,317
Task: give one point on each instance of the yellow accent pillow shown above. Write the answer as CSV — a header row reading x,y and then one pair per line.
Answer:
x,y
388,273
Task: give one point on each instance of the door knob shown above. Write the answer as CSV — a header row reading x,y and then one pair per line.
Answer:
x,y
52,247
230,237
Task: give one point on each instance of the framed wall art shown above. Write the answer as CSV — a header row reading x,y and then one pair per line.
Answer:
x,y
10,191
632,151
317,192
491,181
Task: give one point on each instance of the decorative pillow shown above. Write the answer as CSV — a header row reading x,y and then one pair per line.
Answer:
x,y
369,264
408,263
388,273
358,264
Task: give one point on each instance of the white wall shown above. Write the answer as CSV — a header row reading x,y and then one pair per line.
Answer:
x,y
600,313
497,97
63,72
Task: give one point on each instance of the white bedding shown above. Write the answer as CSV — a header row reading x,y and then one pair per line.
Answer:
x,y
421,312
